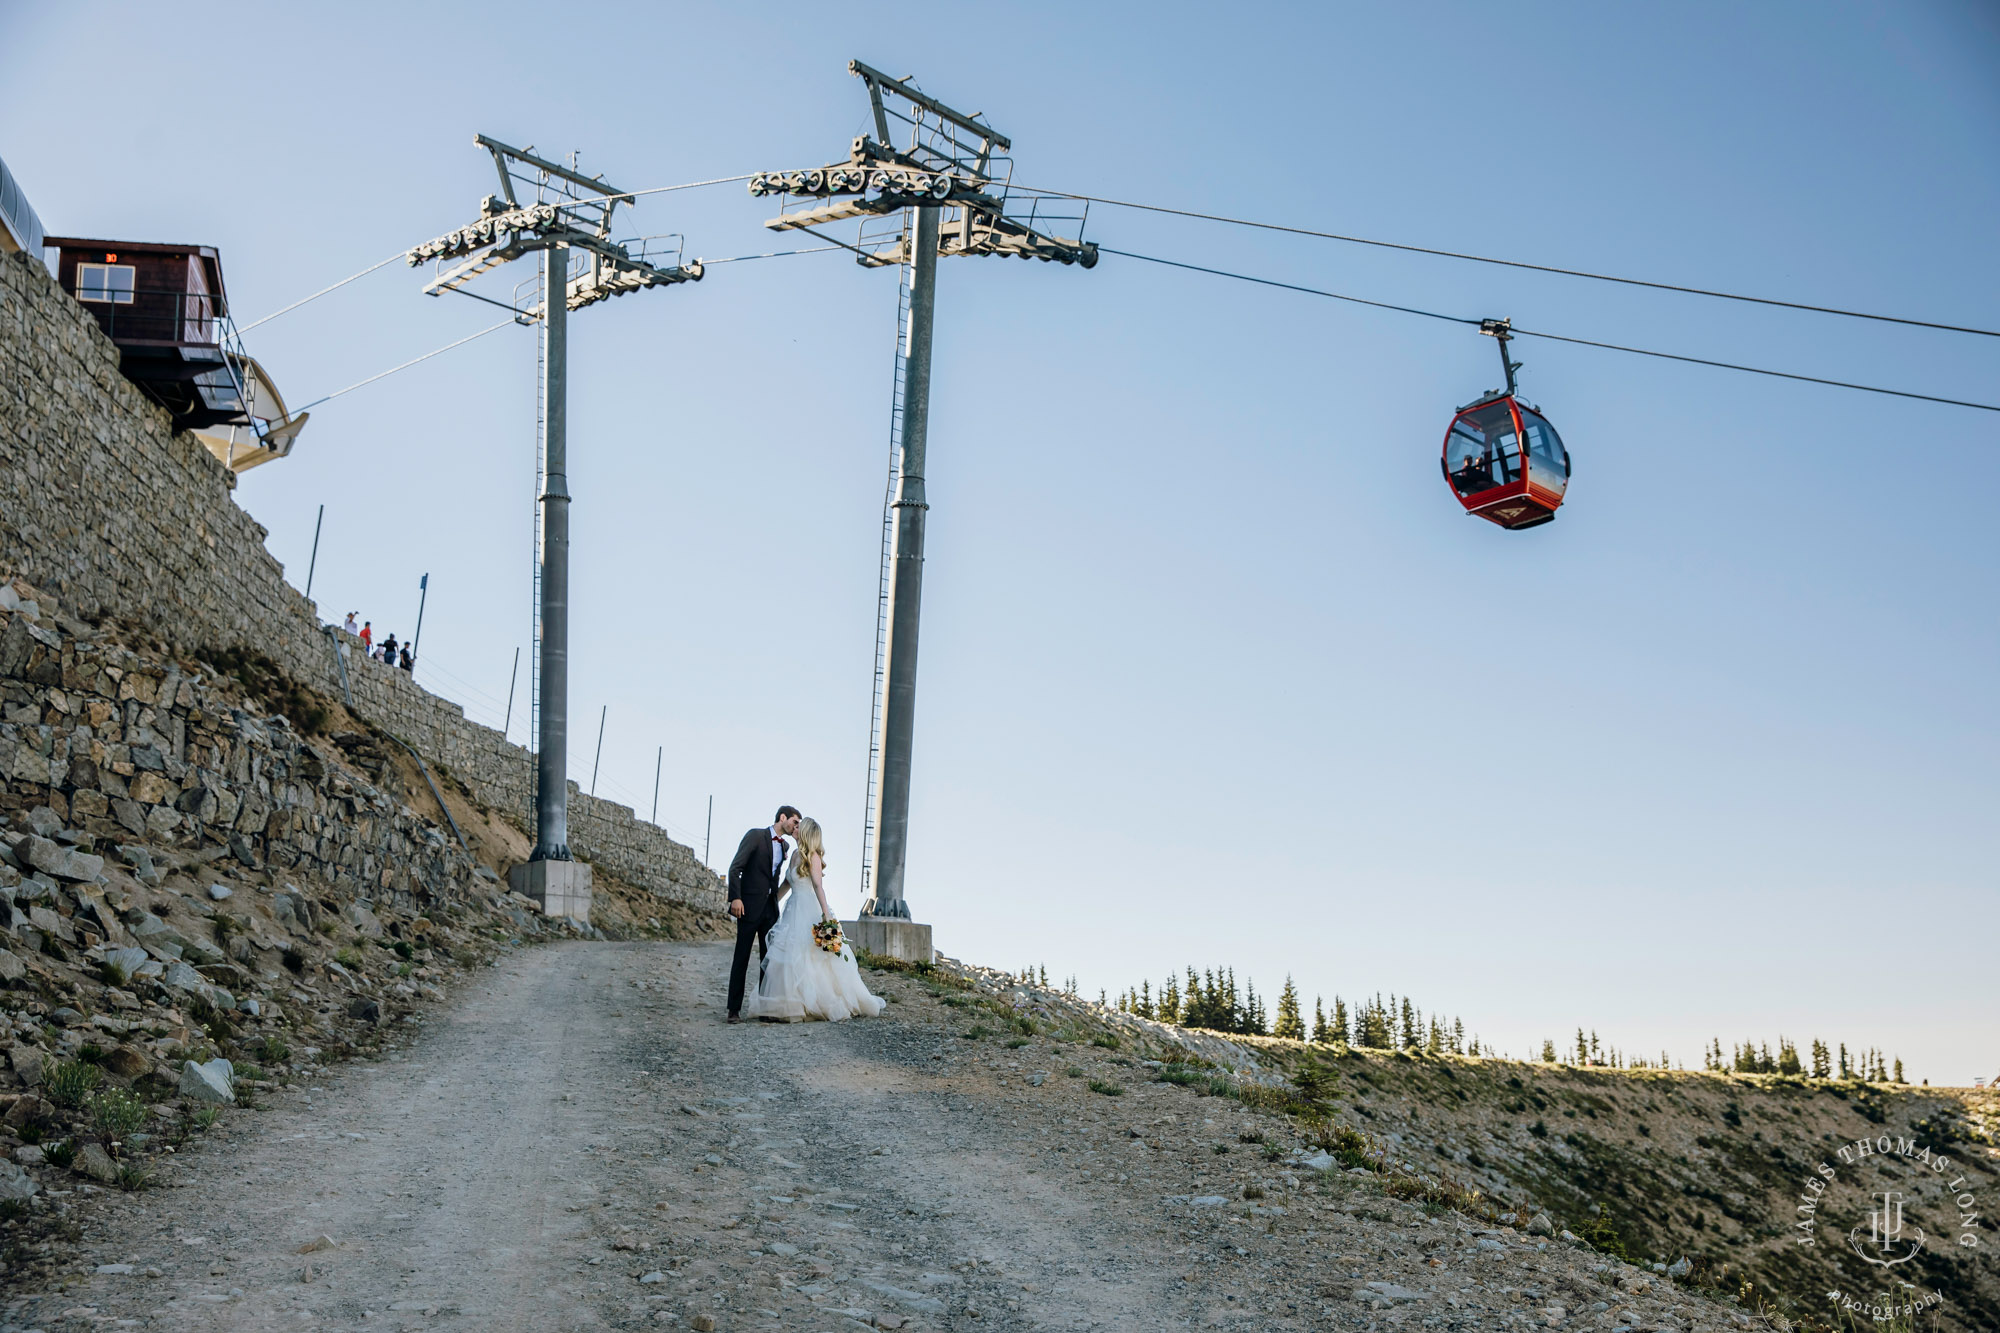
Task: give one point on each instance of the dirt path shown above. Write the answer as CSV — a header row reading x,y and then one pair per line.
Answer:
x,y
579,1142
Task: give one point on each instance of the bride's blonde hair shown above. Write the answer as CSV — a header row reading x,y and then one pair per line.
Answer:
x,y
811,843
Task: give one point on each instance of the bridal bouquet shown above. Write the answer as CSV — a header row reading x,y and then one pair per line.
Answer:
x,y
826,934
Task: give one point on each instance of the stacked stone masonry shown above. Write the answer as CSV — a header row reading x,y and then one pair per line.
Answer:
x,y
102,503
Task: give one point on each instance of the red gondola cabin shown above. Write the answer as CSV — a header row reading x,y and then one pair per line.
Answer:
x,y
1505,462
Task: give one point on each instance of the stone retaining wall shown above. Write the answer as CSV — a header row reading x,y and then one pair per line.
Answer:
x,y
105,505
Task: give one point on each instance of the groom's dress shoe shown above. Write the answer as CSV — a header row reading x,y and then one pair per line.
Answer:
x,y
735,1018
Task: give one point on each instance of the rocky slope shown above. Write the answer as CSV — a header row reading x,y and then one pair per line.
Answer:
x,y
200,901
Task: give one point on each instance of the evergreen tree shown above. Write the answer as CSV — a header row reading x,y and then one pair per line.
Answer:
x,y
1788,1058
1596,1052
1321,1035
1254,1018
1170,1000
1373,1029
1413,1029
1582,1048
1289,1023
1822,1059
1549,1052
1458,1039
1899,1070
1340,1028
1846,1069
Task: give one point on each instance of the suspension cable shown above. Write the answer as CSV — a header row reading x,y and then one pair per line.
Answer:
x,y
1558,337
1516,263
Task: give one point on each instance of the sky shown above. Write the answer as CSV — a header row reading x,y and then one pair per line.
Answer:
x,y
1214,670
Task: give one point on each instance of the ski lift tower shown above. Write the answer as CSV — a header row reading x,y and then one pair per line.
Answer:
x,y
944,192
569,223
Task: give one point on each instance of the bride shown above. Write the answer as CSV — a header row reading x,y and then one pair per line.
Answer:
x,y
802,980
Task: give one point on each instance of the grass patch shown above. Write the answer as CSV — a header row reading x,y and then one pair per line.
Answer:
x,y
205,1118
1106,1040
349,958
1181,1075
1072,1072
68,1082
1017,1043
1025,1025
61,1154
134,1178
277,1050
1253,1191
976,1031
1099,1086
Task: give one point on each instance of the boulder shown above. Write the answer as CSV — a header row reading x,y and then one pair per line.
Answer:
x,y
124,964
128,1062
93,1161
27,1062
220,892
16,1183
11,967
1540,1225
214,1082
363,921
67,863
368,1011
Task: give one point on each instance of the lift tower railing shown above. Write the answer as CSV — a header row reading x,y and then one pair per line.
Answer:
x,y
569,220
952,174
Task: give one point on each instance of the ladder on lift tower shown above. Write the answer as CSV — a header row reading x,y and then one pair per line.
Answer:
x,y
871,812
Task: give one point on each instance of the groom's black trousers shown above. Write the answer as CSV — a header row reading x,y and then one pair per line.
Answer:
x,y
753,927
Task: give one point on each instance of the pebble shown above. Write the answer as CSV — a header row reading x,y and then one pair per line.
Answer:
x,y
652,1277
219,892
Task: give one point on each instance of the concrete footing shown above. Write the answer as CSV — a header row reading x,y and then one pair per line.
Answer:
x,y
905,940
559,888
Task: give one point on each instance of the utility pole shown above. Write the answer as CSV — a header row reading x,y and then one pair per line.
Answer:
x,y
952,176
599,759
423,597
512,680
312,566
658,759
708,829
570,217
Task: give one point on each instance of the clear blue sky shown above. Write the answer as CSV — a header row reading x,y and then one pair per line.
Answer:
x,y
1214,671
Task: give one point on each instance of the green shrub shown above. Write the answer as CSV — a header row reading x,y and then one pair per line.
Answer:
x,y
91,1053
1179,1074
115,1113
61,1154
1099,1086
1106,1040
349,958
133,1178
205,1118
295,960
68,1082
1016,1043
1072,1072
277,1050
1025,1025
976,1031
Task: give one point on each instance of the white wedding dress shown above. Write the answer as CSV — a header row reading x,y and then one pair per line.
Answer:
x,y
802,980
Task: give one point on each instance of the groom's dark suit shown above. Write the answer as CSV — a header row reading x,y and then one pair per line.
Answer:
x,y
754,880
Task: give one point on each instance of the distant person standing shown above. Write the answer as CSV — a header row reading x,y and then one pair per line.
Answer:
x,y
367,638
407,662
352,626
389,650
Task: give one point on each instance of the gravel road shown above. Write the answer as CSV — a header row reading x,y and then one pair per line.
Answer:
x,y
579,1142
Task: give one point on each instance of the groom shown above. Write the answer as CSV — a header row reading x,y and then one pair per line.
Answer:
x,y
753,896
